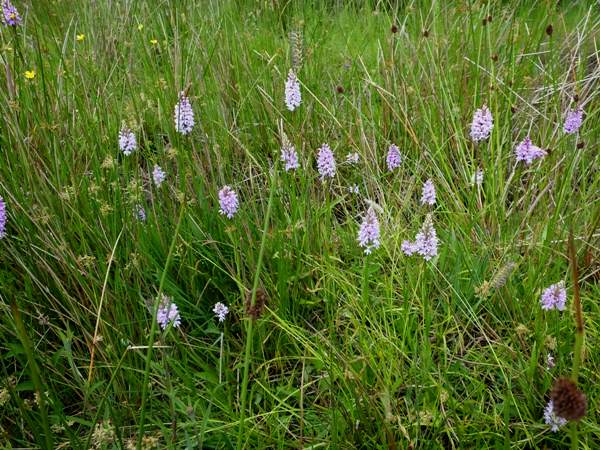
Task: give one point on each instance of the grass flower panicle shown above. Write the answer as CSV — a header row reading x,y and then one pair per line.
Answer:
x,y
260,301
292,91
326,162
167,312
184,115
127,141
428,193
482,124
501,277
158,175
554,297
296,47
394,158
220,311
228,201
369,231
573,121
527,152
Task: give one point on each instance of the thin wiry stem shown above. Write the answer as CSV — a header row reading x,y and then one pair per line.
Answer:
x,y
153,330
250,321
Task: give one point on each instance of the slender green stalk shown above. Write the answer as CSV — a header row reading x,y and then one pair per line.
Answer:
x,y
365,282
104,397
250,321
579,332
35,373
579,327
153,328
97,326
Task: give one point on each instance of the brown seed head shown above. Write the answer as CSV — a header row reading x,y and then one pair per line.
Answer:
x,y
394,29
569,402
259,303
339,89
549,30
580,145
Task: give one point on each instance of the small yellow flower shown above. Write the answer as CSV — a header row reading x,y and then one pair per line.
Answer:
x,y
154,41
140,27
30,74
80,37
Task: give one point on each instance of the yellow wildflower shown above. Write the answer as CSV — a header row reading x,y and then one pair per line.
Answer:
x,y
30,74
80,37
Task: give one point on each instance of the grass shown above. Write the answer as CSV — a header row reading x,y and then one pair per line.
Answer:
x,y
352,351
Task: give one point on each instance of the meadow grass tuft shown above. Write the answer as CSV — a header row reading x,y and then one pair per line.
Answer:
x,y
396,205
